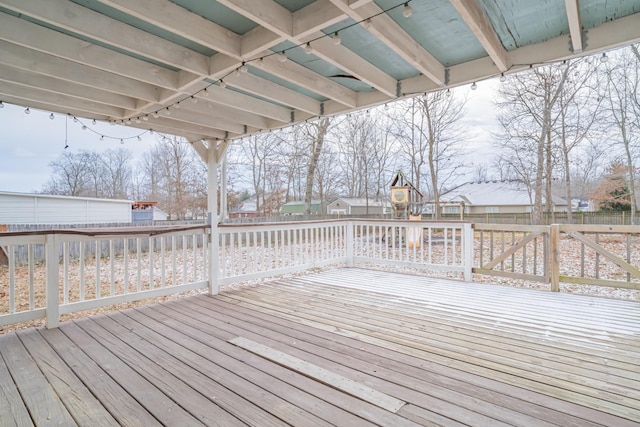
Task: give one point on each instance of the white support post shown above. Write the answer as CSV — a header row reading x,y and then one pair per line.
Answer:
x,y
214,250
52,260
350,242
224,214
467,247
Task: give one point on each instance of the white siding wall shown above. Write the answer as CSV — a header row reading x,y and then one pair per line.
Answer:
x,y
16,208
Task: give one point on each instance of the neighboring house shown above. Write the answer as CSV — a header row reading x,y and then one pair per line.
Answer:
x,y
582,205
350,206
493,197
297,207
147,212
247,209
26,208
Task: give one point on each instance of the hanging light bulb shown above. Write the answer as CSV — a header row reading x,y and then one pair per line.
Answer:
x,y
448,93
168,112
222,84
155,115
51,116
366,23
282,57
139,139
244,68
101,137
121,141
336,39
474,86
503,78
138,120
84,127
260,62
564,65
308,49
75,119
205,92
27,110
93,122
194,100
145,117
236,72
177,104
604,57
407,10
150,131
1,104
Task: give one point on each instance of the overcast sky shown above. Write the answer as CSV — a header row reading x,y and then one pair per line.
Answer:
x,y
29,142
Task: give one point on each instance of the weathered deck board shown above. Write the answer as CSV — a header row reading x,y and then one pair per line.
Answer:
x,y
456,353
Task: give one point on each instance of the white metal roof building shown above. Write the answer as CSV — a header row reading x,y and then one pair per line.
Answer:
x,y
494,197
23,208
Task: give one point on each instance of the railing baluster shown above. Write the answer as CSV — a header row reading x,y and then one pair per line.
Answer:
x,y
151,261
32,296
98,258
163,277
65,272
12,278
139,261
111,268
125,256
82,261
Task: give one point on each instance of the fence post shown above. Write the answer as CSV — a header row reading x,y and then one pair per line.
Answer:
x,y
350,242
467,247
554,257
52,260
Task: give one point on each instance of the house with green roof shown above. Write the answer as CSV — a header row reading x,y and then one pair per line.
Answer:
x,y
296,207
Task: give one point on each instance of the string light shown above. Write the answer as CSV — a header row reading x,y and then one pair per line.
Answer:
x,y
282,57
604,58
52,116
308,49
93,122
222,84
407,10
1,104
27,110
503,78
243,68
474,86
337,39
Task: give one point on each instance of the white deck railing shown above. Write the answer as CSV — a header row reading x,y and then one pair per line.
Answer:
x,y
73,270
57,272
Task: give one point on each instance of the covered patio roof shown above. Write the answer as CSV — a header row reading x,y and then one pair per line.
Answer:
x,y
228,68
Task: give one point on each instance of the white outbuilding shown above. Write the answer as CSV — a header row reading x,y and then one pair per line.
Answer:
x,y
26,208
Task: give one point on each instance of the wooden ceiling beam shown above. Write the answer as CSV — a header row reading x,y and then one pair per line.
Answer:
x,y
81,20
27,94
475,18
180,21
274,92
35,37
575,25
55,85
391,34
40,63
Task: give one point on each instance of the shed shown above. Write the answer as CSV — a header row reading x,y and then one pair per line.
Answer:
x,y
27,208
355,206
493,197
297,207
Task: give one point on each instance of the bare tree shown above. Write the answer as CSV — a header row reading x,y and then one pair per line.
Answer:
x,y
261,154
315,132
430,134
622,112
527,113
116,173
69,174
578,107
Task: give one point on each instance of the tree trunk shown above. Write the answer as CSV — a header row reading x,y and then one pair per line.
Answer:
x,y
316,149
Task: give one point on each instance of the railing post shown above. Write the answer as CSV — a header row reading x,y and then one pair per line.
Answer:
x,y
554,257
467,247
350,242
52,260
214,254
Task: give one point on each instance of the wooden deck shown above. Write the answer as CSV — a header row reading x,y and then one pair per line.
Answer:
x,y
346,347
